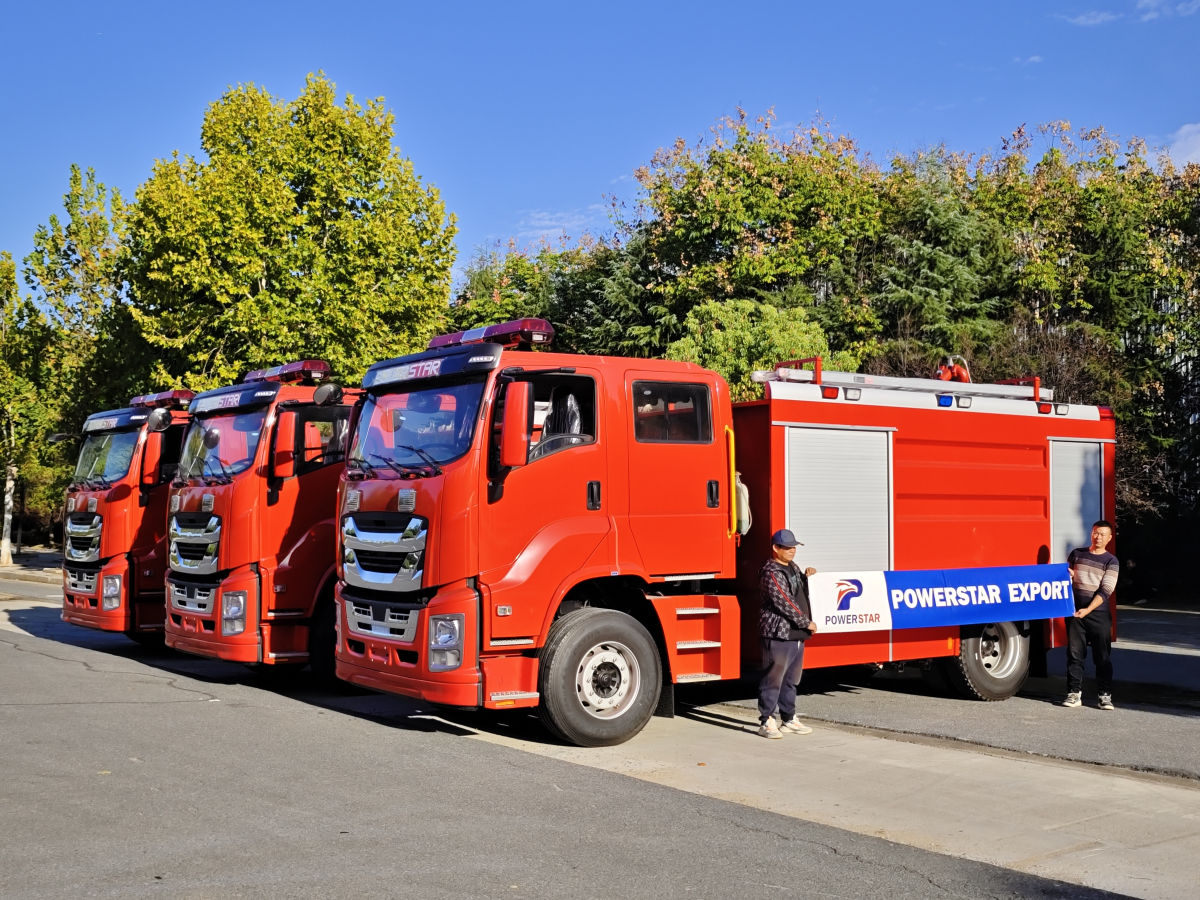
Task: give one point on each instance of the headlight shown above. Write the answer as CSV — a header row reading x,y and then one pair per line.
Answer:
x,y
110,592
233,612
445,642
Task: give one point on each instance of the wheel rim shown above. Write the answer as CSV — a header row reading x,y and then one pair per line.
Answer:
x,y
1000,649
608,680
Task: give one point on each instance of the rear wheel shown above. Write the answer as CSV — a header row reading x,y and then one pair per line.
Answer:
x,y
599,679
992,662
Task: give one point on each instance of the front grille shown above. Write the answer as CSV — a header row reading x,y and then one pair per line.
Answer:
x,y
382,619
375,561
192,597
195,542
81,581
83,537
192,552
384,550
193,521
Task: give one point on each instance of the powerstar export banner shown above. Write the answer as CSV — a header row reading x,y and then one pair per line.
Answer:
x,y
871,601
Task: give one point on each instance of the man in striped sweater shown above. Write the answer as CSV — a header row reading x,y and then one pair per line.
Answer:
x,y
1093,577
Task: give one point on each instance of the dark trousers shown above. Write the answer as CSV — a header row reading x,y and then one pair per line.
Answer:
x,y
777,687
1093,630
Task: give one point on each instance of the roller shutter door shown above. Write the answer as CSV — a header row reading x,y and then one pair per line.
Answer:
x,y
1076,494
839,497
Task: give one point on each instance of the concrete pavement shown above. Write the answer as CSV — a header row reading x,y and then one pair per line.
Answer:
x,y
1103,827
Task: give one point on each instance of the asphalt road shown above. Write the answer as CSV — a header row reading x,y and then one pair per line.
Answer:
x,y
131,772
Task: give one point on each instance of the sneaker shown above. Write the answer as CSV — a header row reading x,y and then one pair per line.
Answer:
x,y
770,730
795,726
1106,701
1073,699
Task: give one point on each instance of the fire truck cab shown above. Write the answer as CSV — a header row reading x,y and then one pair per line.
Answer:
x,y
250,520
114,552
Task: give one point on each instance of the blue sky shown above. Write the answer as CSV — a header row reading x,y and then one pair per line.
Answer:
x,y
527,115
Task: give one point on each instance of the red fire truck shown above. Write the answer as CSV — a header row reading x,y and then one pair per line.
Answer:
x,y
250,520
114,552
523,529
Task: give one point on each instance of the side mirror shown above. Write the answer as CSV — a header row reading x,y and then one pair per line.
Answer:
x,y
514,430
59,436
152,457
159,420
328,394
212,438
283,459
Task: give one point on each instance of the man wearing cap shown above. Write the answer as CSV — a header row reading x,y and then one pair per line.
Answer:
x,y
785,623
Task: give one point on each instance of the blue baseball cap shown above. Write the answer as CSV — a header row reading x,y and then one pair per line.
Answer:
x,y
784,538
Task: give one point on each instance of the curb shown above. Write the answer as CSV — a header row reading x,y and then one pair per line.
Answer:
x,y
20,573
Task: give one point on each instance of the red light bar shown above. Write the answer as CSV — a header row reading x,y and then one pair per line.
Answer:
x,y
508,334
829,393
175,399
301,370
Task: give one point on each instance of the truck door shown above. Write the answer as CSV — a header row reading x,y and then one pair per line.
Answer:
x,y
299,518
678,476
541,523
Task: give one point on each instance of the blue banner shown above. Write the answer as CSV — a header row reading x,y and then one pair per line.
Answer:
x,y
871,601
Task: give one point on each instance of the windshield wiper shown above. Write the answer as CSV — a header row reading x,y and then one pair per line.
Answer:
x,y
101,481
390,463
225,476
429,460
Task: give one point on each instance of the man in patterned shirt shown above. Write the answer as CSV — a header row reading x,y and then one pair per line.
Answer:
x,y
785,623
1093,577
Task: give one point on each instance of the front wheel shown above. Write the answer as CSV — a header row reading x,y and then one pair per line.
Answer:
x,y
599,679
992,662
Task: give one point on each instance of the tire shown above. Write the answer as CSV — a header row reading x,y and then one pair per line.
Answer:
x,y
322,641
600,678
149,640
992,663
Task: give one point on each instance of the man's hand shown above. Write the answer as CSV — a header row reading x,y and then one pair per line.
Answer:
x,y
812,627
810,571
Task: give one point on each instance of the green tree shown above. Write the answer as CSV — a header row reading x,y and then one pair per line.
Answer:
x,y
749,212
737,337
500,288
74,273
303,233
24,337
937,266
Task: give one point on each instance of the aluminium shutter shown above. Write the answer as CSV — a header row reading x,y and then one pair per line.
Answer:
x,y
839,497
1076,494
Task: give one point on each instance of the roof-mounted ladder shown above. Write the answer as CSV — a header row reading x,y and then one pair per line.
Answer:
x,y
1029,388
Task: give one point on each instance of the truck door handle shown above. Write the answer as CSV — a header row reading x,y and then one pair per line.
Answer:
x,y
593,495
714,494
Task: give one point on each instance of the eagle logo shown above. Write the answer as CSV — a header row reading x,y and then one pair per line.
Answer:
x,y
847,590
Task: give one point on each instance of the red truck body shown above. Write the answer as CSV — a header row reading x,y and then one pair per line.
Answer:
x,y
562,531
250,521
114,552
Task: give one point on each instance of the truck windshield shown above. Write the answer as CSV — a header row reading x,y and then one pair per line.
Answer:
x,y
219,447
105,456
416,429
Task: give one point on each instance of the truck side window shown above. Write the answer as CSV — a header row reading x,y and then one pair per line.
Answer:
x,y
321,434
172,447
666,412
564,413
